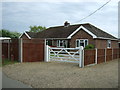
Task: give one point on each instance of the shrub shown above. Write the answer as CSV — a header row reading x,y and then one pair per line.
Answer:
x,y
90,46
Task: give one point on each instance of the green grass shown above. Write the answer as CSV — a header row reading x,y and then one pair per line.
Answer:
x,y
7,62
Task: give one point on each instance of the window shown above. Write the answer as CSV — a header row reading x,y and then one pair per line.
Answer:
x,y
108,43
81,42
77,43
61,43
49,42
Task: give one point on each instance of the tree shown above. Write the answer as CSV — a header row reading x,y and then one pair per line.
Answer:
x,y
7,33
36,28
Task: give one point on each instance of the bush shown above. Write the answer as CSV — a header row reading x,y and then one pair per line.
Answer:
x,y
90,46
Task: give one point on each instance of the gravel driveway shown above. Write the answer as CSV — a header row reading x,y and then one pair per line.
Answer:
x,y
65,75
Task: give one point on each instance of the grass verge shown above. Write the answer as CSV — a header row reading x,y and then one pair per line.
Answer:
x,y
7,62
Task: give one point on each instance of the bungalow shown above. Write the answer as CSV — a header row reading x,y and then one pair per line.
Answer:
x,y
75,36
119,42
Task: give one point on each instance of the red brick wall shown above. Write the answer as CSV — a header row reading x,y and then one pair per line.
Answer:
x,y
24,36
33,50
98,43
81,35
101,44
114,44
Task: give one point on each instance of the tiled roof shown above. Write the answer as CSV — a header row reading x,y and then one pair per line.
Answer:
x,y
31,34
64,32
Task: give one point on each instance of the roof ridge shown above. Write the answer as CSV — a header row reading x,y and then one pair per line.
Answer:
x,y
70,25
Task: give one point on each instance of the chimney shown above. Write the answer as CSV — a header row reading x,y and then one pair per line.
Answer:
x,y
66,24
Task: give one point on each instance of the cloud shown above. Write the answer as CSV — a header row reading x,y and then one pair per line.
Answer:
x,y
20,15
55,0
1,15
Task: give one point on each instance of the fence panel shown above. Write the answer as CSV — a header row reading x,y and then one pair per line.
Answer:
x,y
4,50
100,56
115,53
10,49
119,52
33,50
108,54
89,57
14,49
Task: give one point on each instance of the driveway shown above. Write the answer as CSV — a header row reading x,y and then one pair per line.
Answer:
x,y
65,75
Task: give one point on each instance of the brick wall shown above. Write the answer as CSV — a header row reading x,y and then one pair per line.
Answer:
x,y
101,44
24,36
98,43
114,44
81,35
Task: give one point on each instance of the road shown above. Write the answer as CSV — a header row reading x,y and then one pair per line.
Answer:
x,y
6,82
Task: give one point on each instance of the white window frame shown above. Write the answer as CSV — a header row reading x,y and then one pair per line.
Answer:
x,y
108,42
79,42
59,41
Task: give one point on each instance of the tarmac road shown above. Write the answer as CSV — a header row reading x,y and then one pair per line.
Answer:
x,y
10,83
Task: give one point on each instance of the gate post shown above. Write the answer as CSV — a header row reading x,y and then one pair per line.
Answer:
x,y
96,55
21,50
46,53
81,61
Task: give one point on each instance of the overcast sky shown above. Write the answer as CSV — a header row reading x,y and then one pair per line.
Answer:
x,y
18,16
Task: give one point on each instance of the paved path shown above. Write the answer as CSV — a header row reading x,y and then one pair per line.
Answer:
x,y
10,83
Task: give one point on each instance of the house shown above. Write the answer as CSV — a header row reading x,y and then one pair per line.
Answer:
x,y
75,36
119,42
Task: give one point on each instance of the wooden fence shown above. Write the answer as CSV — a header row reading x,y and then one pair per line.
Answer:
x,y
97,56
10,49
23,50
32,50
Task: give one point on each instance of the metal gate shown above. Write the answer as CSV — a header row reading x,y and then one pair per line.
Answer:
x,y
73,55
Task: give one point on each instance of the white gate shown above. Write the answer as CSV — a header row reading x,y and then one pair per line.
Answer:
x,y
74,55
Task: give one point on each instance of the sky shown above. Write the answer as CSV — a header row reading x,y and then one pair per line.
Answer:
x,y
19,15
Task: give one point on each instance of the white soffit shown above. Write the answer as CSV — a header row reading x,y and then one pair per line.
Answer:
x,y
78,29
